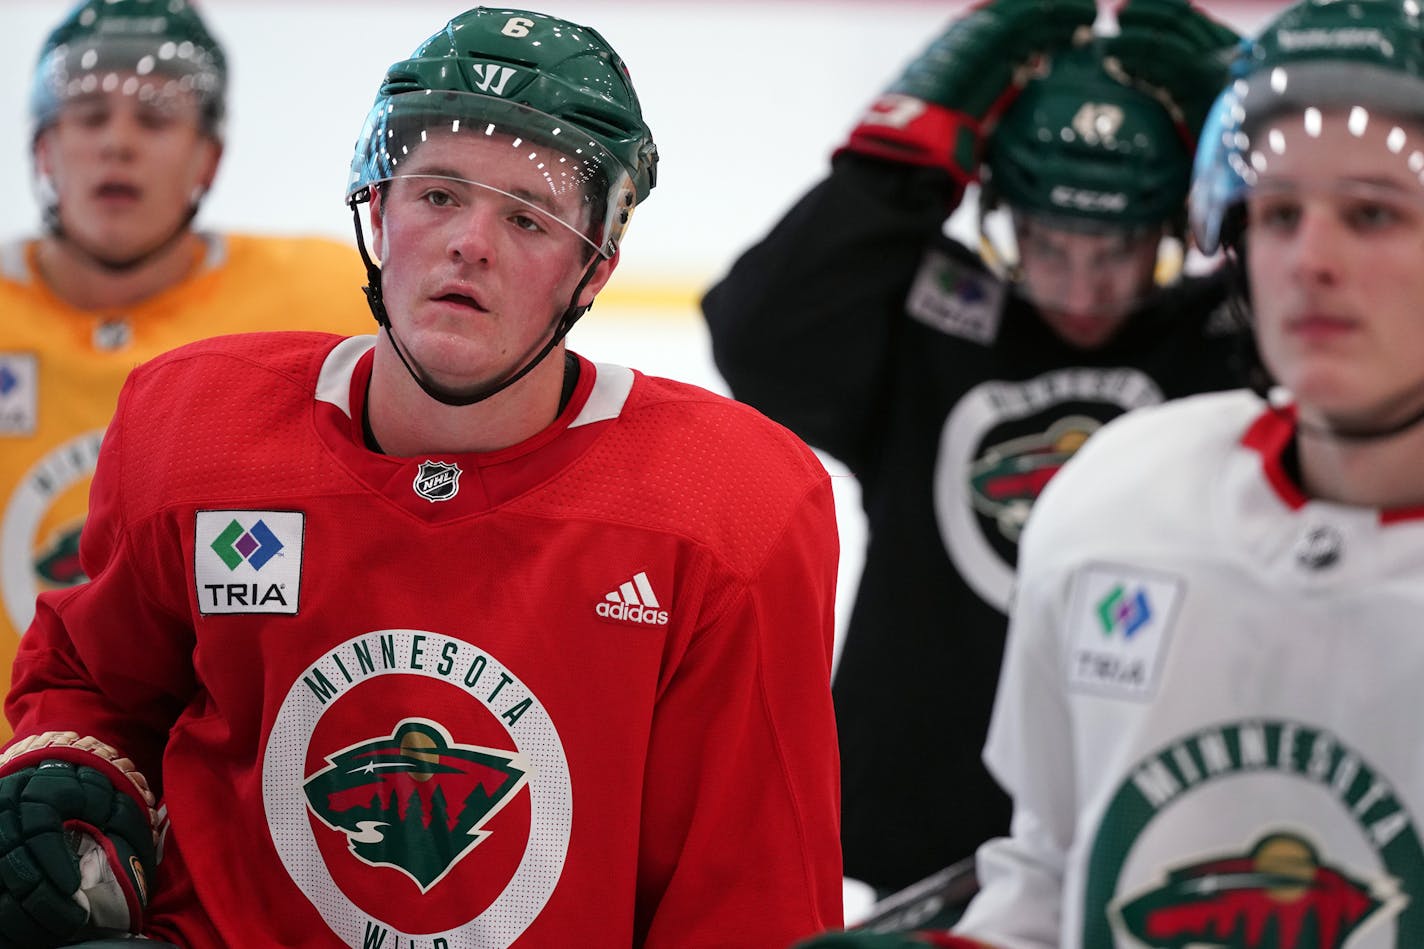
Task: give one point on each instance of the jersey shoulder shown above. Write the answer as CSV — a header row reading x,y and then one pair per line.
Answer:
x,y
257,282
683,460
1144,477
220,412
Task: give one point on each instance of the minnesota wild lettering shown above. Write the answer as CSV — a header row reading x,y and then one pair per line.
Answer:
x,y
375,938
448,658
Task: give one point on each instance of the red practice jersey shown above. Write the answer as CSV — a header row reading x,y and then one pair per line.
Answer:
x,y
573,692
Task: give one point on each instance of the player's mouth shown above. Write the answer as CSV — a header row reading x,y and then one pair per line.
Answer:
x,y
117,192
460,299
1320,327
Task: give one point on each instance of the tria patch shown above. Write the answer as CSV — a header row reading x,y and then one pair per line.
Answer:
x,y
437,481
956,299
19,393
1120,619
248,561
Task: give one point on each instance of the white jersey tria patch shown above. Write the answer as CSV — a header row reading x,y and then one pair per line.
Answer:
x,y
248,561
1120,620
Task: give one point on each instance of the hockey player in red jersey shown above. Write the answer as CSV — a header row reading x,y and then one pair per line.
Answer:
x,y
447,636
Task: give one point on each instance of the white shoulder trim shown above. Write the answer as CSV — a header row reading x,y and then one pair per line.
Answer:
x,y
13,265
334,383
611,386
214,250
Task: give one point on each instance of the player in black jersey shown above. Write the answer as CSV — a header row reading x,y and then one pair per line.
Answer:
x,y
952,382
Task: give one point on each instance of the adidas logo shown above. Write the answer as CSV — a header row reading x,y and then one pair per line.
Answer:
x,y
635,602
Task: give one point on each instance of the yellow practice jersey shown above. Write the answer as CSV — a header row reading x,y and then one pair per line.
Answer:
x,y
61,369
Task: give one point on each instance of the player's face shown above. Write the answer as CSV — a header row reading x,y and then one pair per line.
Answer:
x,y
127,164
474,279
1335,256
1084,284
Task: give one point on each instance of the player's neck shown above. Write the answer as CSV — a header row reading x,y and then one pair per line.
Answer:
x,y
407,422
1380,473
82,282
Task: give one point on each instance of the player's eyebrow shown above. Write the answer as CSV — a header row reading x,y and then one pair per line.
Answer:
x,y
540,199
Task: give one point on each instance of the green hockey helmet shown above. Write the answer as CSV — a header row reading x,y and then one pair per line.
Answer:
x,y
553,89
1321,61
1089,150
108,45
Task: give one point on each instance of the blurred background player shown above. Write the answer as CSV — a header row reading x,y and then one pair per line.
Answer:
x,y
467,639
1207,712
954,385
127,112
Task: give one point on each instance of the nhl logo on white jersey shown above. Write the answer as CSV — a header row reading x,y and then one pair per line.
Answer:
x,y
437,481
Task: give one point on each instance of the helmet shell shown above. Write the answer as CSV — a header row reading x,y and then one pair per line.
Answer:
x,y
547,80
1080,145
1317,56
99,39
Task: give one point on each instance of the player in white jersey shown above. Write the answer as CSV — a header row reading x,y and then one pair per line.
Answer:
x,y
1207,716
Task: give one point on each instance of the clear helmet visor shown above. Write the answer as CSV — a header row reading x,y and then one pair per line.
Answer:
x,y
484,147
1343,129
160,73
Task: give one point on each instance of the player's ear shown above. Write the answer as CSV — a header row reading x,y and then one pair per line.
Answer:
x,y
377,221
44,164
209,159
601,273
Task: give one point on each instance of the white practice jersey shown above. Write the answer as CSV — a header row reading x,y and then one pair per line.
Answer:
x,y
1211,715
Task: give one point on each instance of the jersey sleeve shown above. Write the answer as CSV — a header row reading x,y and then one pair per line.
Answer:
x,y
740,835
1030,752
802,326
108,659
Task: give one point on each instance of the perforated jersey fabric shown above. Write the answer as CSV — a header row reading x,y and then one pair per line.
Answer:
x,y
571,692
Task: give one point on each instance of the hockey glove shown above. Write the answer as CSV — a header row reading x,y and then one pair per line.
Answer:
x,y
1178,52
76,856
939,110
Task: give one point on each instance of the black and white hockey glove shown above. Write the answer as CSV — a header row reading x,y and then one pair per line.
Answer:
x,y
76,856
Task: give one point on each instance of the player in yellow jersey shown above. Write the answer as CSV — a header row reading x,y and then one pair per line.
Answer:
x,y
127,111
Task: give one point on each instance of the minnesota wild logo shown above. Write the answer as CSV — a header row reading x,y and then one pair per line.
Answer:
x,y
414,800
1278,894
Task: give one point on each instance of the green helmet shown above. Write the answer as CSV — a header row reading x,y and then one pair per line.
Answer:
x,y
555,85
100,40
1359,58
1082,146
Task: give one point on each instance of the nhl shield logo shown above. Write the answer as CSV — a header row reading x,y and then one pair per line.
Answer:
x,y
437,481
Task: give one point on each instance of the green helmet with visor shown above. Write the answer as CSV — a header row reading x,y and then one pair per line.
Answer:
x,y
553,91
104,46
1355,64
1088,150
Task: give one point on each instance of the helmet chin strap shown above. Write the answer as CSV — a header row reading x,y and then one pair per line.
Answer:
x,y
558,330
1362,433
114,265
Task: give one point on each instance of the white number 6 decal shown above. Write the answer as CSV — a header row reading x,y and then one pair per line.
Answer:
x,y
517,26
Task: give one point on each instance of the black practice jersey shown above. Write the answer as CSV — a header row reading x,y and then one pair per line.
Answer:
x,y
859,325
